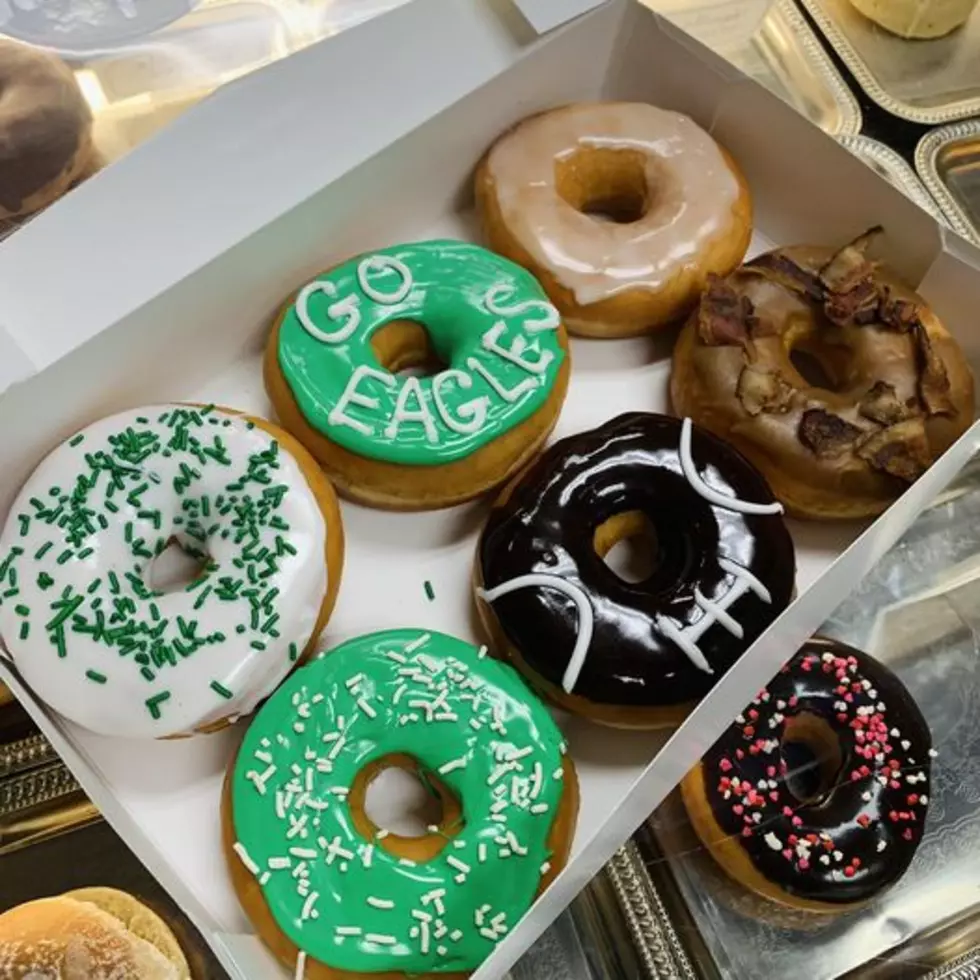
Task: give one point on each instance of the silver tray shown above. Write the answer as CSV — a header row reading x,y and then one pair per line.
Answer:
x,y
931,82
948,161
918,610
889,164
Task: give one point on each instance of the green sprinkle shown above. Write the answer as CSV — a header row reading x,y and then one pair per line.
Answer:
x,y
153,704
221,690
257,645
148,674
25,630
94,675
22,610
84,554
75,442
43,550
44,581
64,556
429,593
293,652
114,583
25,523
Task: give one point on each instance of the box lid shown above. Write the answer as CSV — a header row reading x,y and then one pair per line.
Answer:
x,y
545,15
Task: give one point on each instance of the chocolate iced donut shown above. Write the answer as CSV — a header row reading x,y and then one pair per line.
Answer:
x,y
45,129
897,390
633,654
816,796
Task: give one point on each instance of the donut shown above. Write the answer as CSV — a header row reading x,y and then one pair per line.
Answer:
x,y
499,371
45,129
621,210
331,893
633,654
87,622
896,392
816,796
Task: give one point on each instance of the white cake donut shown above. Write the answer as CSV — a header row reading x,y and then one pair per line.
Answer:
x,y
86,630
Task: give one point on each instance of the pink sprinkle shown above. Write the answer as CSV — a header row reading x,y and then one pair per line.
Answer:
x,y
807,665
787,811
793,840
746,831
855,776
793,701
797,821
771,771
774,795
913,799
907,833
894,784
864,820
788,854
725,765
848,872
804,864
856,862
753,714
739,754
738,809
893,816
748,731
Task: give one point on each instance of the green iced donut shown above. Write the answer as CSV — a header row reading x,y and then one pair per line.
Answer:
x,y
341,896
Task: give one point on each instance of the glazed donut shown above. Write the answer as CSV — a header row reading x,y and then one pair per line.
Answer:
x,y
634,655
45,129
331,893
82,614
621,210
831,839
411,443
898,390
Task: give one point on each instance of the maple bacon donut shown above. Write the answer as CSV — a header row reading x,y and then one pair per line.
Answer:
x,y
633,654
106,643
334,895
816,796
621,210
897,391
499,360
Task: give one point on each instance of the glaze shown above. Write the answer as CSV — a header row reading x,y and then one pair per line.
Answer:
x,y
344,899
862,834
487,319
689,180
723,571
77,616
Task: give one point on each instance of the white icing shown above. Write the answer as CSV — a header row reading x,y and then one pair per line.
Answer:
x,y
351,396
348,307
582,602
713,496
473,413
714,612
384,263
118,706
411,389
551,320
509,395
691,186
514,352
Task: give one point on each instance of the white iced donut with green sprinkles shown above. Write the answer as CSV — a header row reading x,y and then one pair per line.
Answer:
x,y
87,616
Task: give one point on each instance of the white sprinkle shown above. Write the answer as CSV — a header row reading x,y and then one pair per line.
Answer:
x,y
279,864
330,737
459,842
382,834
243,856
460,866
924,800
380,903
307,912
348,930
906,744
825,859
933,753
894,733
483,651
259,781
380,939
773,841
265,878
456,935
299,727
838,856
300,973
337,748
263,756
545,868
866,796
418,642
402,688
408,863
441,950
481,852
882,845
352,682
559,773
307,853
366,708
447,767
397,657
367,854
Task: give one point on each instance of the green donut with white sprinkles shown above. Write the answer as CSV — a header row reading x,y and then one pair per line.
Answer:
x,y
333,894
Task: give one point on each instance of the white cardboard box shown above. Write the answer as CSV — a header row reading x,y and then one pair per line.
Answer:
x,y
157,281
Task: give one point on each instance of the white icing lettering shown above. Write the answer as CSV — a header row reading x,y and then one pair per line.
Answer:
x,y
552,318
347,308
509,395
714,612
402,414
384,264
513,353
473,413
351,396
710,494
574,592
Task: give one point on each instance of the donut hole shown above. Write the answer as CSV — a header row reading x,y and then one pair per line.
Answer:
x,y
176,567
811,753
404,348
627,543
604,183
812,369
420,813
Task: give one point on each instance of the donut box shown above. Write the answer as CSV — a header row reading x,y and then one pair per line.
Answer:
x,y
158,280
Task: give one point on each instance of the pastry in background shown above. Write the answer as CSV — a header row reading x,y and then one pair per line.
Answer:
x,y
621,210
333,894
816,796
45,130
89,933
633,653
828,372
493,353
166,567
917,18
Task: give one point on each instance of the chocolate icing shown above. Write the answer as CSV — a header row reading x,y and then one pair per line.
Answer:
x,y
873,815
546,523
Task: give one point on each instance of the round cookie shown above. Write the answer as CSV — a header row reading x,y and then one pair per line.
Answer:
x,y
499,362
80,614
334,895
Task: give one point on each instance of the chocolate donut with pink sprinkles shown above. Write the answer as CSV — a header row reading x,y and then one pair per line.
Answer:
x,y
816,796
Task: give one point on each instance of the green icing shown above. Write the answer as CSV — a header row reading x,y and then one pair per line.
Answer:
x,y
487,319
345,900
